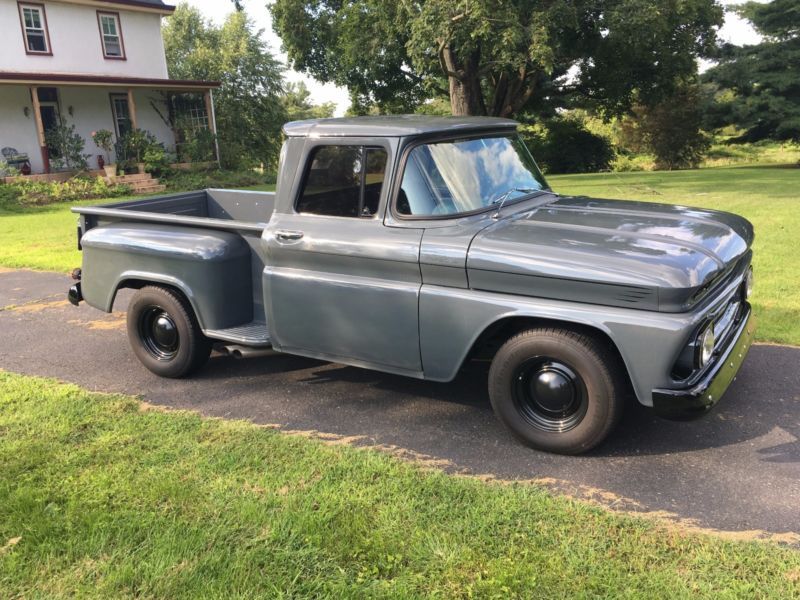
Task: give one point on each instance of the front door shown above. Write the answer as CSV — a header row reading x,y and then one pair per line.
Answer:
x,y
120,111
339,284
51,118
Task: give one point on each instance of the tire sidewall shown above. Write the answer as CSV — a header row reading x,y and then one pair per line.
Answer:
x,y
600,415
148,298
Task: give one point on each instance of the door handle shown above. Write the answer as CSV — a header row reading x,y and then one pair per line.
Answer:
x,y
288,235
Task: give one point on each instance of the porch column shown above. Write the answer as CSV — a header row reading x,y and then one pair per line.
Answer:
x,y
37,116
212,119
132,109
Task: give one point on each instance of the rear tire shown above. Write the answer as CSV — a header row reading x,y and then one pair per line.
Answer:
x,y
556,390
164,333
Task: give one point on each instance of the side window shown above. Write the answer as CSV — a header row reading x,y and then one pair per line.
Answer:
x,y
343,181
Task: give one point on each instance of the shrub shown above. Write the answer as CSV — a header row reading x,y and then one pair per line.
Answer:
x,y
670,130
633,162
67,148
9,196
7,170
215,178
37,193
156,160
565,146
200,146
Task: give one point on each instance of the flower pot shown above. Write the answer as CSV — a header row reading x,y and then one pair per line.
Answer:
x,y
111,171
101,162
140,167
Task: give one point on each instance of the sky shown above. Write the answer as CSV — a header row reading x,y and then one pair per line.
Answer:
x,y
735,30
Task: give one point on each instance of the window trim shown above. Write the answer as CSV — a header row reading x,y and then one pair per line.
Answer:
x,y
111,97
364,146
20,6
397,178
118,20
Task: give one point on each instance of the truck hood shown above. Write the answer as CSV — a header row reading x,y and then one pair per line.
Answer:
x,y
635,254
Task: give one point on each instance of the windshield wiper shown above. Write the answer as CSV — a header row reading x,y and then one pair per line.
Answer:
x,y
502,199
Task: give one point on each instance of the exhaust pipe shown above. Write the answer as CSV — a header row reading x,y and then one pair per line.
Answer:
x,y
238,352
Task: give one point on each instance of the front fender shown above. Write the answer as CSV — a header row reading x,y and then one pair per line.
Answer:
x,y
451,320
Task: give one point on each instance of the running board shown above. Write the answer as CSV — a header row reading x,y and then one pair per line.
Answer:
x,y
253,334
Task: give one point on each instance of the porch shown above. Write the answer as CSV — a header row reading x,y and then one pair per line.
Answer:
x,y
33,103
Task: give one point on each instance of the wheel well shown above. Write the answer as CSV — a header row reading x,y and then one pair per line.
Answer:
x,y
137,284
494,336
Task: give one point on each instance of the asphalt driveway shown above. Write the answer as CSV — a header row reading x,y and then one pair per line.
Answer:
x,y
737,469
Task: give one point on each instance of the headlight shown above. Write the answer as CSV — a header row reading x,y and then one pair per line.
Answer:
x,y
706,343
748,283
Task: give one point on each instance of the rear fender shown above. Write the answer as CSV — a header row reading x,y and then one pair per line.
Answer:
x,y
210,267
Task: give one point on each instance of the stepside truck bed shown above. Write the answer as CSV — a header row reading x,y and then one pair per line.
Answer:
x,y
211,233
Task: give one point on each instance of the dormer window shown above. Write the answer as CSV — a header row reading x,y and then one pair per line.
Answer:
x,y
34,28
111,35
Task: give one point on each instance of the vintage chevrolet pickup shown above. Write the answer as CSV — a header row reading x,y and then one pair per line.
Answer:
x,y
413,245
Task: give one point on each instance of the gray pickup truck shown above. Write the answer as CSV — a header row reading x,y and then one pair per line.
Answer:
x,y
414,245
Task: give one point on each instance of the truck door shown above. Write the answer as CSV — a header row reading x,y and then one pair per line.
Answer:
x,y
339,284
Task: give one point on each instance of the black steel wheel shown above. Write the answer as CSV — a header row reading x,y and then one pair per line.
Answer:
x,y
159,333
164,333
556,390
549,394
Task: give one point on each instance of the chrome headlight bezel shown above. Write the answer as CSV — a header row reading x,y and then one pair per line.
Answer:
x,y
749,281
706,342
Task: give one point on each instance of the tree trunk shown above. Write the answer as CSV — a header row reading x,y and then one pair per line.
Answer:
x,y
466,97
465,100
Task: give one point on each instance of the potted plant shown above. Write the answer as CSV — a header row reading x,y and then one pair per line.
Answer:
x,y
103,140
137,142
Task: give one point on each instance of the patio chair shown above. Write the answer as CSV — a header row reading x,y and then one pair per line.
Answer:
x,y
14,159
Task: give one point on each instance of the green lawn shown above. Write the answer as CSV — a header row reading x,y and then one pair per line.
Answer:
x,y
44,238
100,498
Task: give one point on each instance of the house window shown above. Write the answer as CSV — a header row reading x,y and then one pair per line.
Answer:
x,y
122,117
34,28
189,111
111,35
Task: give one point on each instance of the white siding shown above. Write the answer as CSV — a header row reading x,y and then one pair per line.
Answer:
x,y
76,45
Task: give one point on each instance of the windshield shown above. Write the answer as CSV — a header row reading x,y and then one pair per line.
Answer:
x,y
459,176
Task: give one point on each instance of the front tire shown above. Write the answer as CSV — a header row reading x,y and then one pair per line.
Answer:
x,y
556,390
164,333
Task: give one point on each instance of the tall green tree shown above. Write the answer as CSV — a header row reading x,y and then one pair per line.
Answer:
x,y
499,57
297,103
765,77
248,104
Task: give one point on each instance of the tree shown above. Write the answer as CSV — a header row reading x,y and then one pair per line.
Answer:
x,y
298,106
498,57
765,77
248,104
671,129
565,145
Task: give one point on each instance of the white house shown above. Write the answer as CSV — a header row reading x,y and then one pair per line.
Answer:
x,y
96,64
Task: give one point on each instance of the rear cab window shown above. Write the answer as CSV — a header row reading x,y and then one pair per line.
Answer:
x,y
343,181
